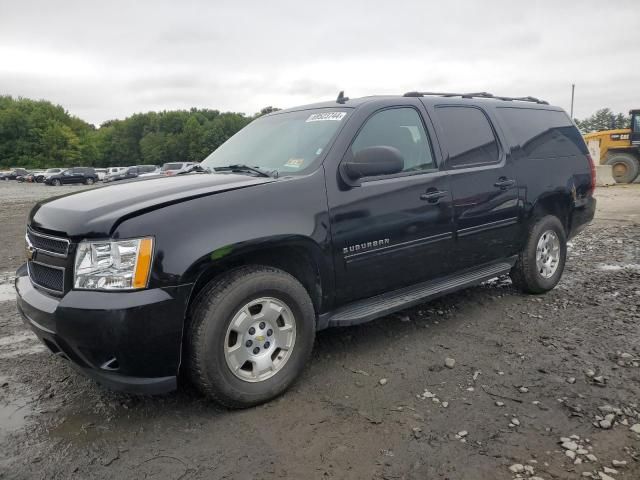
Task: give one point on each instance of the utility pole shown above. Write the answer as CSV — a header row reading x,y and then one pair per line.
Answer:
x,y
573,89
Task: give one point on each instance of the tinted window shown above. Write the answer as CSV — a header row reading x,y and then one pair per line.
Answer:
x,y
400,128
468,136
542,133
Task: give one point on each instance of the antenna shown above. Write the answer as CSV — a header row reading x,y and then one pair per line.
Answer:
x,y
341,98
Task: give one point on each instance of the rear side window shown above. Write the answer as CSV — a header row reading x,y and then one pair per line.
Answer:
x,y
468,136
542,133
400,128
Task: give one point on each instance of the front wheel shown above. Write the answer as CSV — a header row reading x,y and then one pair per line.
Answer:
x,y
250,335
56,183
541,262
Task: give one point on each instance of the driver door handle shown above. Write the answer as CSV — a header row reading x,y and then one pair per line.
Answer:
x,y
433,196
503,183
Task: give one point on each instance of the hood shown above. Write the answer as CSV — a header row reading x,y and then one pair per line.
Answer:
x,y
96,213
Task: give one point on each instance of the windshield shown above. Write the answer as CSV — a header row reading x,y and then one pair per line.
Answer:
x,y
52,170
286,142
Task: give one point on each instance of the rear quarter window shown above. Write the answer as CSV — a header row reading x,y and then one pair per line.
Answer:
x,y
542,133
468,136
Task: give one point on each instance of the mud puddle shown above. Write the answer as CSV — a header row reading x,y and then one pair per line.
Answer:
x,y
13,411
23,343
7,292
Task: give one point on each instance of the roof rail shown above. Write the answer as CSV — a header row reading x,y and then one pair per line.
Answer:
x,y
476,95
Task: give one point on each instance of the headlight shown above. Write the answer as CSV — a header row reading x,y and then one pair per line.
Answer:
x,y
113,265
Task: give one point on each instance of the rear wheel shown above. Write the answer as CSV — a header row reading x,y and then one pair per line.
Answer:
x,y
541,262
55,182
88,181
625,167
250,334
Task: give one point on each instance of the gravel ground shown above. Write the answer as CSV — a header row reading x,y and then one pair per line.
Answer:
x,y
484,384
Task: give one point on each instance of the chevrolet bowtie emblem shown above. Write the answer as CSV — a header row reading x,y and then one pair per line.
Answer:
x,y
260,338
31,251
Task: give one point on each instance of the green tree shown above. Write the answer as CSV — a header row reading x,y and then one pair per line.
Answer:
x,y
603,119
39,134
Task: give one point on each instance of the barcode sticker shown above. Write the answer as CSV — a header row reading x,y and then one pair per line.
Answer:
x,y
323,117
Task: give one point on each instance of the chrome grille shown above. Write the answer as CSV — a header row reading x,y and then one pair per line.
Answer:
x,y
46,243
47,277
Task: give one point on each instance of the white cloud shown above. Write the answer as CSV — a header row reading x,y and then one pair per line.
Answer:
x,y
108,60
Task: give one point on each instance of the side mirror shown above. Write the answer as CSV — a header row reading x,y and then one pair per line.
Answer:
x,y
373,162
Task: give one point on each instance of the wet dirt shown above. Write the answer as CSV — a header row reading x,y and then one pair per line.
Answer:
x,y
552,363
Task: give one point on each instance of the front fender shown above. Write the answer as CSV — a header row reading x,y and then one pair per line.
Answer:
x,y
197,234
272,250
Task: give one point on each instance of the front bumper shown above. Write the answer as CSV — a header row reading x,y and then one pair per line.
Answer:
x,y
126,341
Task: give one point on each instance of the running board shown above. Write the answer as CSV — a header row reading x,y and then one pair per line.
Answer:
x,y
369,309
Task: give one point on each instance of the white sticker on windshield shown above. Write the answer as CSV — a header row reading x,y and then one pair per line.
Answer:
x,y
322,117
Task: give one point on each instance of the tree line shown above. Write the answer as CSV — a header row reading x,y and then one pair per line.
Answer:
x,y
39,134
603,119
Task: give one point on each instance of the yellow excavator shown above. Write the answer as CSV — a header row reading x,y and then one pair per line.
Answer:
x,y
619,148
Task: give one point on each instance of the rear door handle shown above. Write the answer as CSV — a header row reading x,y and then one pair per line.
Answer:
x,y
503,183
433,196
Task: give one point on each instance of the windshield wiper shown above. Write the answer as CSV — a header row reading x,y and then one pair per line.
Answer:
x,y
246,168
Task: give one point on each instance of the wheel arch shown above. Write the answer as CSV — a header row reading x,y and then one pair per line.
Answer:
x,y
558,204
630,150
299,256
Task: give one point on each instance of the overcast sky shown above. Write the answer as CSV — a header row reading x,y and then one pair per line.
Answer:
x,y
105,60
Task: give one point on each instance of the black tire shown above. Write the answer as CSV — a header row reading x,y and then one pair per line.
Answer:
x,y
55,182
525,274
39,179
625,167
88,181
210,317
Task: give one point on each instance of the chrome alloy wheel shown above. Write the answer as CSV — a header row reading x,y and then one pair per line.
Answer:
x,y
548,254
260,339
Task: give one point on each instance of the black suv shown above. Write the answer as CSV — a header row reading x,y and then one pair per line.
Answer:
x,y
86,175
325,215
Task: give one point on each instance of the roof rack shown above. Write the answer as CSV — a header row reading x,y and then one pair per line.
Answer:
x,y
476,95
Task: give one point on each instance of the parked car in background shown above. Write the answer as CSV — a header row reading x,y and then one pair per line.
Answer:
x,y
102,173
177,168
29,177
85,175
112,172
13,174
132,172
47,173
148,172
